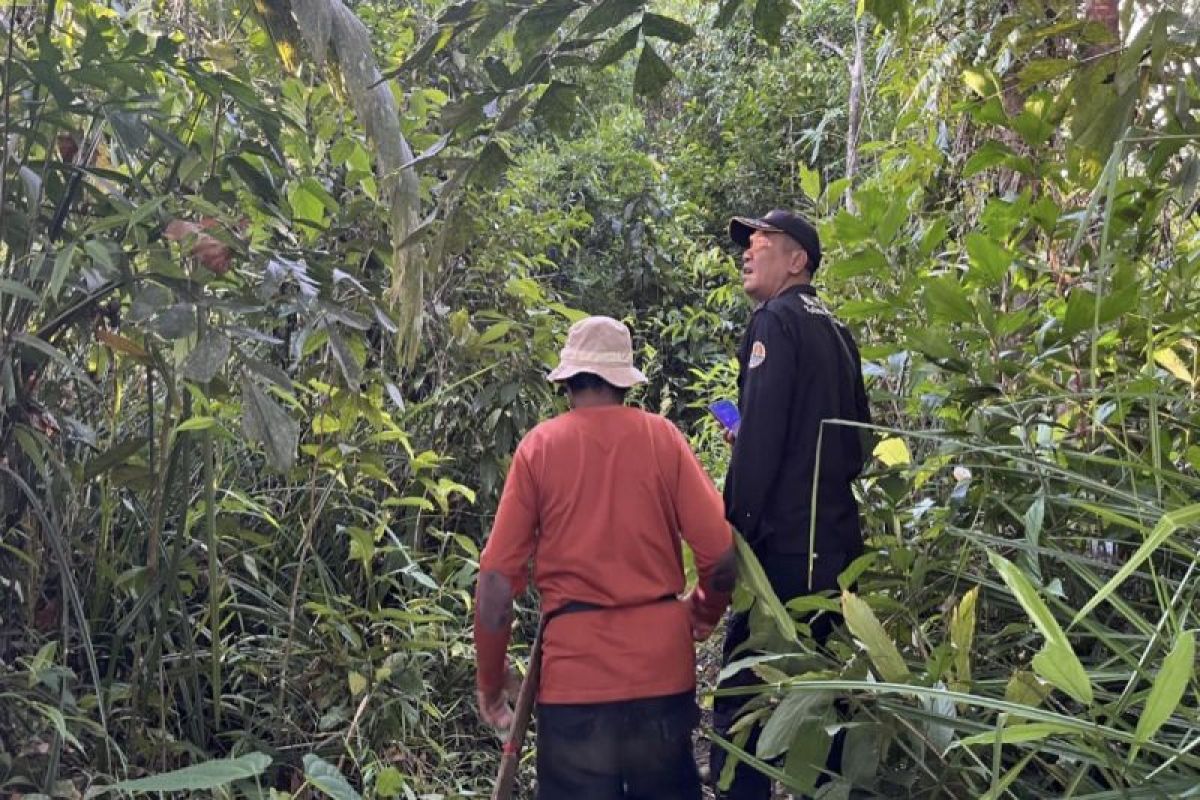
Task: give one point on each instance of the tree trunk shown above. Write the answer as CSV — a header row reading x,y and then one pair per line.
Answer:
x,y
854,127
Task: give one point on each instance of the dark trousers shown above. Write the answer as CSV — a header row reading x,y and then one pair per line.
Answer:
x,y
627,750
788,575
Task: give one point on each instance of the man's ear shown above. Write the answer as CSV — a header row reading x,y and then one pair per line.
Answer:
x,y
799,261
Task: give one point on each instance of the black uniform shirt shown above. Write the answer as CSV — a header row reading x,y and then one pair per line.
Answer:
x,y
798,366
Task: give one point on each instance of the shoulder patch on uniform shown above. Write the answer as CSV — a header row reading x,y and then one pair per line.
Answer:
x,y
758,354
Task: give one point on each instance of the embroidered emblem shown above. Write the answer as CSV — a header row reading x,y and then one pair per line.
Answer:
x,y
758,354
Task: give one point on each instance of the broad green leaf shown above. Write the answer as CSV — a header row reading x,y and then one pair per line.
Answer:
x,y
751,573
207,357
346,355
193,424
962,636
979,82
989,261
1170,523
326,777
99,251
323,424
989,154
870,260
199,777
1025,689
652,72
265,422
490,165
796,708
310,200
389,783
556,107
1029,599
947,300
893,14
866,628
256,180
810,182
1178,669
1058,664
769,16
176,322
539,24
1080,314
1043,69
618,49
1169,360
608,15
806,759
660,27
1028,732
356,682
892,451
15,289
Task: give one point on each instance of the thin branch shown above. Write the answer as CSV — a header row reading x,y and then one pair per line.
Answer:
x,y
832,45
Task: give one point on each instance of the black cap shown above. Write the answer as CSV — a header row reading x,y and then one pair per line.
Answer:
x,y
780,221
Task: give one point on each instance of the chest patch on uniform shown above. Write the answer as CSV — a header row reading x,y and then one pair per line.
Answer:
x,y
758,354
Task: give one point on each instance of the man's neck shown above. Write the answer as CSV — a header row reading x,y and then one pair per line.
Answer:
x,y
594,398
805,280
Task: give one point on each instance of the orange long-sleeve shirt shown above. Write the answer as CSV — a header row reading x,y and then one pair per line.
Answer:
x,y
597,499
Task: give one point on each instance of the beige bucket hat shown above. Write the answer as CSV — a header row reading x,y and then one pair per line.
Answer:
x,y
601,346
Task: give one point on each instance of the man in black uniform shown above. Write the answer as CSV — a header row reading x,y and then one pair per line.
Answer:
x,y
798,366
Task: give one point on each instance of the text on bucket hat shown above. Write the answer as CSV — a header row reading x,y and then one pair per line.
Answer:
x,y
601,346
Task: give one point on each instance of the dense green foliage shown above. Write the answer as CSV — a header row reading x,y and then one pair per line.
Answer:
x,y
241,500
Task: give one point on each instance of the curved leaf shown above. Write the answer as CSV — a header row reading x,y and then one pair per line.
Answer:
x,y
1171,522
199,777
652,72
866,628
328,779
1178,668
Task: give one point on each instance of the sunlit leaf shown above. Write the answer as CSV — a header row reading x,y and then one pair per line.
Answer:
x,y
947,300
1058,664
989,260
1178,669
199,777
893,451
1170,524
866,628
1169,360
962,636
328,779
751,573
1027,732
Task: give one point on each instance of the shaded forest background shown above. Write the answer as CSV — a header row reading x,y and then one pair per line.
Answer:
x,y
280,281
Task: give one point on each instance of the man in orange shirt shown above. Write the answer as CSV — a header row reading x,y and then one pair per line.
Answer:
x,y
597,500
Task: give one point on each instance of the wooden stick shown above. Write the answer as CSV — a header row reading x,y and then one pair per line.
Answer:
x,y
506,778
